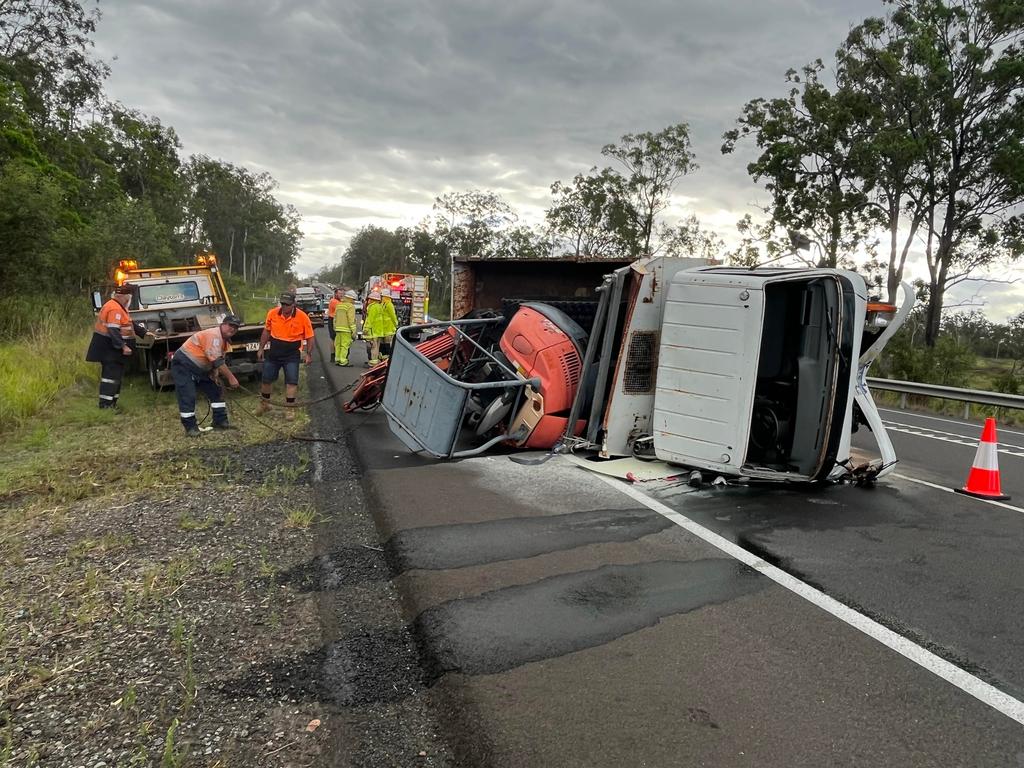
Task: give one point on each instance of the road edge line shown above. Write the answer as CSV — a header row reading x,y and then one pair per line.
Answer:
x,y
938,487
965,681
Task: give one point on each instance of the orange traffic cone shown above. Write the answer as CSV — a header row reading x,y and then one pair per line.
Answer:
x,y
983,481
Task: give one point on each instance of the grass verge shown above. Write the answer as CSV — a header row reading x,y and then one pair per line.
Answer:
x,y
136,585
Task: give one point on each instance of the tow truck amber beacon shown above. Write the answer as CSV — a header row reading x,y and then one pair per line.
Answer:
x,y
175,302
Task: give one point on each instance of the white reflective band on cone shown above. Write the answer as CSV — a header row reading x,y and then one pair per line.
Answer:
x,y
186,415
986,457
107,381
106,397
218,405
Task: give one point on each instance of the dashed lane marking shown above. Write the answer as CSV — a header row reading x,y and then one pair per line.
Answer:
x,y
916,415
949,437
965,681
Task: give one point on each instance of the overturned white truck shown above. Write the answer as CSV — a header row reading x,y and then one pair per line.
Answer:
x,y
757,374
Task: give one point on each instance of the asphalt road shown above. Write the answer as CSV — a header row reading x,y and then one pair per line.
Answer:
x,y
567,621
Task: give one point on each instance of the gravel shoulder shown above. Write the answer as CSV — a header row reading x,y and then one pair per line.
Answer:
x,y
220,603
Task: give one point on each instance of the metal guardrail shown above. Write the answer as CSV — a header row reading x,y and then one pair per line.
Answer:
x,y
968,397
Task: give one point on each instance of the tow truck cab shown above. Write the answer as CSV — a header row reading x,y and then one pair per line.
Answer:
x,y
175,302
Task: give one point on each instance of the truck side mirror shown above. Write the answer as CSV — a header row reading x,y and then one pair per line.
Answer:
x,y
97,301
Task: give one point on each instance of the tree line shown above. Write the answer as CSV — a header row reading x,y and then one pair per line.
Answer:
x,y
86,181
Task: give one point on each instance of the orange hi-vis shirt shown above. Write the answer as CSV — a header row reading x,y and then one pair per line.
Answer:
x,y
294,328
332,307
205,348
113,315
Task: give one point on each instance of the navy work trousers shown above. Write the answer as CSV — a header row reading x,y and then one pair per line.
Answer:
x,y
187,379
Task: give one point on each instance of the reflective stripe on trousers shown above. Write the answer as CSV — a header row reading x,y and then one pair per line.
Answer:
x,y
187,379
111,374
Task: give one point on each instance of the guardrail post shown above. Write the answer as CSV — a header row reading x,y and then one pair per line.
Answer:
x,y
967,411
903,401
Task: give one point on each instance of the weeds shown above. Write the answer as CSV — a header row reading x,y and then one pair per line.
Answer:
x,y
301,518
171,757
188,523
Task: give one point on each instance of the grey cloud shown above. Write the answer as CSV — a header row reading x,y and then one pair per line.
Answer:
x,y
370,102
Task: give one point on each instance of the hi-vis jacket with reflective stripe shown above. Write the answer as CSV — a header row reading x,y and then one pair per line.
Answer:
x,y
113,316
204,348
345,316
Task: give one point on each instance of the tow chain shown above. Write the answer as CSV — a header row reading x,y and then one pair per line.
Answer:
x,y
236,403
304,403
288,436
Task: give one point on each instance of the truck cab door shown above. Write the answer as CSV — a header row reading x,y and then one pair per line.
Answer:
x,y
757,371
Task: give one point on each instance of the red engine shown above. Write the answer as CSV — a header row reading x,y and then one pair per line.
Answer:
x,y
542,342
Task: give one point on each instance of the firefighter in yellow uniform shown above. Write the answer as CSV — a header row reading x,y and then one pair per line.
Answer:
x,y
344,327
373,326
390,323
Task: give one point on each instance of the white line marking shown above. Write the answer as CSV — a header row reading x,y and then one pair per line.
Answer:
x,y
936,434
966,682
972,439
938,487
948,421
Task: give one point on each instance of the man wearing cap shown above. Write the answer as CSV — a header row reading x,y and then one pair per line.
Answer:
x,y
197,364
113,341
344,327
286,329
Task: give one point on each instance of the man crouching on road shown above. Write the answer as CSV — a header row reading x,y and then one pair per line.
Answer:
x,y
287,327
196,365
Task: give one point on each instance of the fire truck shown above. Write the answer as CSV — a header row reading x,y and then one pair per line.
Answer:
x,y
175,302
409,292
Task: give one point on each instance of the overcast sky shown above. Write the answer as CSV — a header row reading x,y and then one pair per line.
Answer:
x,y
366,110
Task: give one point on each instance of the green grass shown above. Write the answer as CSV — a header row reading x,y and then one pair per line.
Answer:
x,y
36,368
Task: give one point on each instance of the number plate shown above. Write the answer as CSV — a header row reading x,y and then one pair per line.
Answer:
x,y
252,346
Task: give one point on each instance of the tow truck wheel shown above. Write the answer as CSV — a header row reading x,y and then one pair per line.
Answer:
x,y
154,377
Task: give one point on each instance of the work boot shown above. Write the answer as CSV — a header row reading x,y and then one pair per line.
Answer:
x,y
224,427
262,406
192,432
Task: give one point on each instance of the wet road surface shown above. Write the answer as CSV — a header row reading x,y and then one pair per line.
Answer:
x,y
564,624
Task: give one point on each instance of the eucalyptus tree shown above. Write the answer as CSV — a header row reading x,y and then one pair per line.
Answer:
x,y
810,142
592,217
654,163
955,71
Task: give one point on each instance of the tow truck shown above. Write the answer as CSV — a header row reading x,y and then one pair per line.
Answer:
x,y
175,302
756,375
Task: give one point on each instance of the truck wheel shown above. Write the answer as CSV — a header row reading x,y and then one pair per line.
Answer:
x,y
154,371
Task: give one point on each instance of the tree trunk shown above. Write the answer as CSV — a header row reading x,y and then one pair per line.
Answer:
x,y
937,293
231,251
245,257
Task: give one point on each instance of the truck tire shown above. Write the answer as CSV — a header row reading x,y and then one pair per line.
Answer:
x,y
154,370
